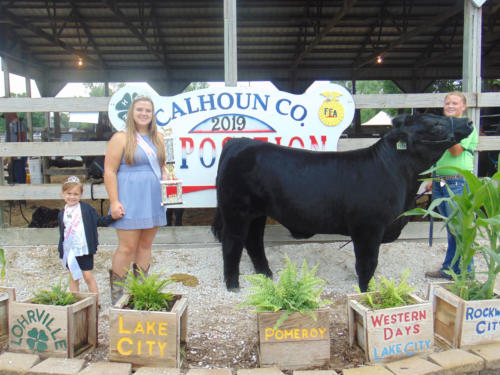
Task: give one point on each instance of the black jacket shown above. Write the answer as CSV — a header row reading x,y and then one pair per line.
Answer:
x,y
91,220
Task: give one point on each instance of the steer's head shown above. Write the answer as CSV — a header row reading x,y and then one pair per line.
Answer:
x,y
428,135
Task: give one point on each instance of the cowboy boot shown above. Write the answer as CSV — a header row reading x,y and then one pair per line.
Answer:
x,y
116,290
137,274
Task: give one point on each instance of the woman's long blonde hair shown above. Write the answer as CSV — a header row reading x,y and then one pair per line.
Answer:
x,y
130,134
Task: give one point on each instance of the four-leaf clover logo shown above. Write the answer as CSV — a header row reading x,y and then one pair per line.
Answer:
x,y
123,105
37,340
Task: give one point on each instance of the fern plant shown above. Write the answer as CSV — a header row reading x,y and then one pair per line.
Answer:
x,y
146,292
387,294
57,295
293,292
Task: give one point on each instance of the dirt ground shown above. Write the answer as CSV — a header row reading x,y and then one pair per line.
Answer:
x,y
219,336
211,344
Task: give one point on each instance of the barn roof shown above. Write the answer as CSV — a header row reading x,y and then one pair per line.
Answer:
x,y
175,42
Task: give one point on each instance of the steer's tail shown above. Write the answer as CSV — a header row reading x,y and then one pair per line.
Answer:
x,y
231,147
217,225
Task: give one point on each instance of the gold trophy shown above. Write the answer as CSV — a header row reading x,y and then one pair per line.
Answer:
x,y
171,188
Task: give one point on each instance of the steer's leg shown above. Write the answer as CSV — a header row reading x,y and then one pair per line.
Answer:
x,y
255,246
234,233
232,247
366,251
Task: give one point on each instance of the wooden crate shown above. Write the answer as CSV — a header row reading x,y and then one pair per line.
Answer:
x,y
148,338
7,294
393,333
299,342
459,323
55,331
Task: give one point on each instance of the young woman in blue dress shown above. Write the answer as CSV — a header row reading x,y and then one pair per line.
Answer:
x,y
133,168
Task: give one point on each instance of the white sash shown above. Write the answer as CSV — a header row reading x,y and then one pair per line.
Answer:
x,y
75,243
151,154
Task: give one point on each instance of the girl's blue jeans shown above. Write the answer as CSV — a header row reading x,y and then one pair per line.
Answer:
x,y
439,190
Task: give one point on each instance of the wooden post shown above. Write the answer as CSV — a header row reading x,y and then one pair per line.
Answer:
x,y
45,161
471,66
230,44
29,115
7,94
57,125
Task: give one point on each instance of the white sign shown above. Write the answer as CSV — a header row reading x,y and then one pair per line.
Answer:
x,y
203,120
86,117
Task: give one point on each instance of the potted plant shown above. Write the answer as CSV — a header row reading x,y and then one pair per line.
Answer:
x,y
290,319
466,309
389,321
148,326
55,323
6,294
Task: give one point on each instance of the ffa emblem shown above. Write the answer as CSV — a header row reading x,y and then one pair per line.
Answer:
x,y
331,111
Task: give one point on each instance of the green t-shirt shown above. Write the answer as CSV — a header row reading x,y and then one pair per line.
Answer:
x,y
464,161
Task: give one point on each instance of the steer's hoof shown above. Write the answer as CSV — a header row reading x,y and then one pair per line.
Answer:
x,y
232,285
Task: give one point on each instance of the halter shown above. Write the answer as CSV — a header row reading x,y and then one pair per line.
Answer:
x,y
451,138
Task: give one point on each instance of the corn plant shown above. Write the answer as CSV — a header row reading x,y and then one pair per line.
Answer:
x,y
387,294
475,215
3,263
293,292
146,293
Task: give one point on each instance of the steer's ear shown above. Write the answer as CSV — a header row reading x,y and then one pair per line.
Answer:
x,y
399,121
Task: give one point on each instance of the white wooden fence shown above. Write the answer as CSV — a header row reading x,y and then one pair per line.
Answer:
x,y
40,149
17,237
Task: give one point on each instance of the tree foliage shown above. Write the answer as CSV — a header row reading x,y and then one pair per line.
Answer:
x,y
372,87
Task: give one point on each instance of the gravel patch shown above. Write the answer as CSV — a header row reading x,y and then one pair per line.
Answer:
x,y
218,334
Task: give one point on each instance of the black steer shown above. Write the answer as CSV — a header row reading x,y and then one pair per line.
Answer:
x,y
357,193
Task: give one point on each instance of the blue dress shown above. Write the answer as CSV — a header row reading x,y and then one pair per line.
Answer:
x,y
139,191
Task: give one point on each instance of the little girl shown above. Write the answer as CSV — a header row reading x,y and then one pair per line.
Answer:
x,y
78,223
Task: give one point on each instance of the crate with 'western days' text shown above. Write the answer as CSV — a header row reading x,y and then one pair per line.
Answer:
x,y
392,333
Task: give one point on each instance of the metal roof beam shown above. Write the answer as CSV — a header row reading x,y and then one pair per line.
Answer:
x,y
5,14
118,13
333,22
438,19
78,17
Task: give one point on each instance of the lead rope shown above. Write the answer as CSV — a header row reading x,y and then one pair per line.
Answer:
x,y
431,219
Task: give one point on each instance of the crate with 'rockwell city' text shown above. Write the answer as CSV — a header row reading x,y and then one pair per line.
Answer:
x,y
460,323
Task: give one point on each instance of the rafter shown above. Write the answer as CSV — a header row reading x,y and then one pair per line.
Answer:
x,y
333,22
426,55
436,20
78,17
370,31
5,14
118,13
